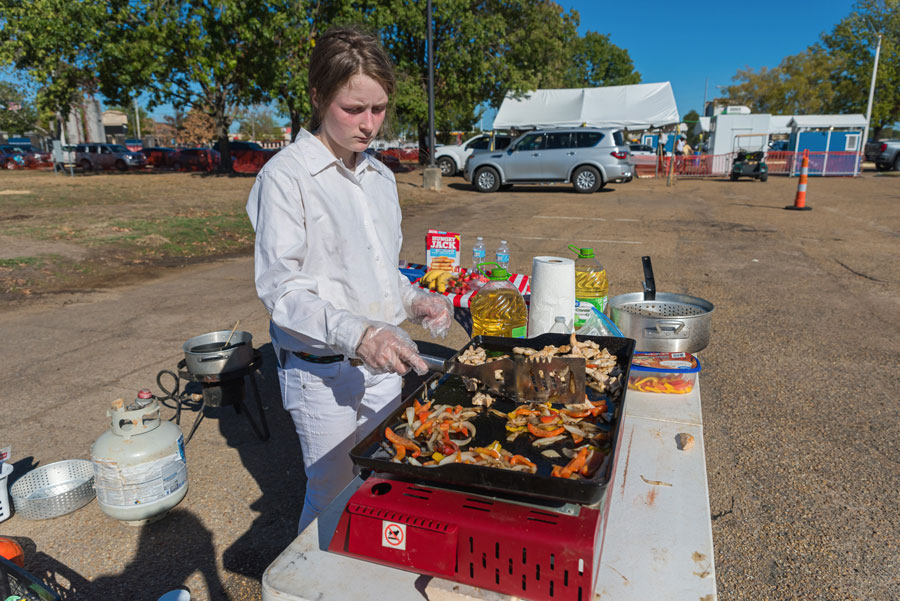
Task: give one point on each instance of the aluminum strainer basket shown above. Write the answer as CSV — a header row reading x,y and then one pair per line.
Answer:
x,y
54,490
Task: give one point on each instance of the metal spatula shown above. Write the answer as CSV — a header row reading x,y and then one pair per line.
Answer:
x,y
557,379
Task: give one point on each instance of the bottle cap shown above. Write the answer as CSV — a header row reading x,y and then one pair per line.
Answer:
x,y
143,393
583,253
497,273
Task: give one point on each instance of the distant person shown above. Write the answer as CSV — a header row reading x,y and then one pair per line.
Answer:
x,y
678,147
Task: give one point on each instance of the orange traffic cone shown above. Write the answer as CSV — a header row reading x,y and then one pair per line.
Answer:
x,y
800,199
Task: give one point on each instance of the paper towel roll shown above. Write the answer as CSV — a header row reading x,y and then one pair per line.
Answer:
x,y
552,294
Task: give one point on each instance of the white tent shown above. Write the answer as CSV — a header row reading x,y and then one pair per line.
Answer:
x,y
635,107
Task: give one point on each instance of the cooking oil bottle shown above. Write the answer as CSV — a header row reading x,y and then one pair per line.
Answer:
x,y
498,309
591,285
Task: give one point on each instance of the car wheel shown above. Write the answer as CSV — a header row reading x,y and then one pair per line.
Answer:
x,y
448,167
882,166
85,165
734,177
586,180
763,177
487,180
897,163
121,166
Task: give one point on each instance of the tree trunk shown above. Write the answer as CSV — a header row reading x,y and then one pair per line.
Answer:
x,y
296,123
222,124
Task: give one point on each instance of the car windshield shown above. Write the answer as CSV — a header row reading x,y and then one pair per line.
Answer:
x,y
118,148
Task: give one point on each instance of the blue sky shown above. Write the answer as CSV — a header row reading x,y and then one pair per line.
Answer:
x,y
687,42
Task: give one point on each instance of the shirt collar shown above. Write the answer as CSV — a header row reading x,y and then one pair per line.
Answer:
x,y
319,158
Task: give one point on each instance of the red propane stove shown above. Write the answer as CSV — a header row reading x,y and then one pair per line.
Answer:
x,y
517,548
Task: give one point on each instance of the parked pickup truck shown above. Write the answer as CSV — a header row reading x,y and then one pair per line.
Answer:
x,y
885,154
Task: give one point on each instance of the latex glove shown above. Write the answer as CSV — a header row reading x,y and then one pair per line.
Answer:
x,y
433,311
388,349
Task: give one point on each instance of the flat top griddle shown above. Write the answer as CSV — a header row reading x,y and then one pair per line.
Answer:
x,y
370,454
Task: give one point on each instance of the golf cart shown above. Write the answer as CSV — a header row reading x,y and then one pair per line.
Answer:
x,y
749,164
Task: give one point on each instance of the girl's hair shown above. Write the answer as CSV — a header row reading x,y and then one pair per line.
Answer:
x,y
339,54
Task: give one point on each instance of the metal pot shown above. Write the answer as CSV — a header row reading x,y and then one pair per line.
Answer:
x,y
206,355
662,321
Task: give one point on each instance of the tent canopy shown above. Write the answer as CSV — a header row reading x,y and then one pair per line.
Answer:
x,y
640,106
825,121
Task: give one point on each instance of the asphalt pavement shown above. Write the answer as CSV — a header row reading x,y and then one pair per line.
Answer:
x,y
800,402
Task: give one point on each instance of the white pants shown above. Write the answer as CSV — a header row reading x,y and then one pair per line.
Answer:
x,y
334,406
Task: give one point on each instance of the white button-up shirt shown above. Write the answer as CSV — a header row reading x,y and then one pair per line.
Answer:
x,y
328,240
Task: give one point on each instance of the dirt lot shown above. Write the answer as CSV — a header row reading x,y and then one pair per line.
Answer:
x,y
799,382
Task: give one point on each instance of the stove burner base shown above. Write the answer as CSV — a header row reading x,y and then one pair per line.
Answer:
x,y
526,551
228,388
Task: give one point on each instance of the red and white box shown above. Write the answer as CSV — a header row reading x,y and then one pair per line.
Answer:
x,y
442,250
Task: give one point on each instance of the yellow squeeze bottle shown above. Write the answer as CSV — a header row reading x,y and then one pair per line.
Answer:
x,y
591,285
498,308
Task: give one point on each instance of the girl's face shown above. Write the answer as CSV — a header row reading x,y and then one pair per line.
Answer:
x,y
352,120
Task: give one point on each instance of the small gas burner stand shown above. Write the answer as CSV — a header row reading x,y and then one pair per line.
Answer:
x,y
221,389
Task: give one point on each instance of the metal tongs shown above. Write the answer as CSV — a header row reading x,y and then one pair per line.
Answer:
x,y
525,380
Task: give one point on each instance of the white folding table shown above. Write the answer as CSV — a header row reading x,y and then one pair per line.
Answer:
x,y
656,544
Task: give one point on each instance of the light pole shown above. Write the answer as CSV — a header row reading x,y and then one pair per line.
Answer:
x,y
871,97
432,175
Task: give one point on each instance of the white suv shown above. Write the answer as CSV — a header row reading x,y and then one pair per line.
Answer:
x,y
452,158
586,157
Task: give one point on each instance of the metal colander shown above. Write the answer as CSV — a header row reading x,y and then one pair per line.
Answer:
x,y
54,490
662,309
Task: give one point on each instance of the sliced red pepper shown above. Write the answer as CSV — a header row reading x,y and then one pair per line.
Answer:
x,y
426,425
545,433
546,419
400,440
520,460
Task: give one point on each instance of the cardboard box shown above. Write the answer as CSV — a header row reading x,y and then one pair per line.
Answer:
x,y
442,250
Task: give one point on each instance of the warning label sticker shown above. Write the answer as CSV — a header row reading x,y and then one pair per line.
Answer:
x,y
393,535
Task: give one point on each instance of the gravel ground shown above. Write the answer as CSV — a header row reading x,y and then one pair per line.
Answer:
x,y
799,393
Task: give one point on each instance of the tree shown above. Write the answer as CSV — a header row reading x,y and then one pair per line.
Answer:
x,y
197,129
56,45
484,49
833,75
691,119
18,115
258,123
852,43
801,84
598,62
203,55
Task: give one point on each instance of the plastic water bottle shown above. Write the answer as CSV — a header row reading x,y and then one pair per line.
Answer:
x,y
479,254
503,255
559,326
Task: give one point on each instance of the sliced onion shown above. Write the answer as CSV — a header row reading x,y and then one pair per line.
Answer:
x,y
414,461
543,442
551,454
451,458
410,416
470,429
576,431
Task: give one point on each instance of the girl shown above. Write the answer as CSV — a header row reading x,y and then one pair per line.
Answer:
x,y
328,238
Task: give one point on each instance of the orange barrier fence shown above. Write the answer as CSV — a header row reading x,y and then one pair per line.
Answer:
x,y
719,165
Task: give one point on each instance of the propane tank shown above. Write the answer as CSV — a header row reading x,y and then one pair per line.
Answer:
x,y
140,471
